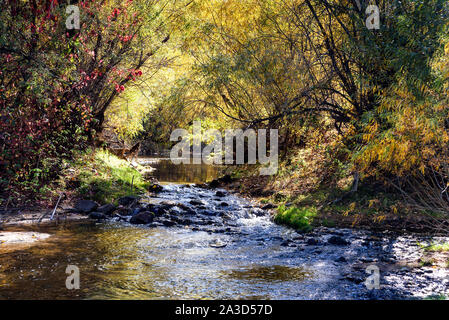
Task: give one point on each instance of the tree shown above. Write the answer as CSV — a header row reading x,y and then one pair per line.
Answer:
x,y
56,84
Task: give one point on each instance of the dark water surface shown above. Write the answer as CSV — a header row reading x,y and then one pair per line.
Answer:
x,y
167,171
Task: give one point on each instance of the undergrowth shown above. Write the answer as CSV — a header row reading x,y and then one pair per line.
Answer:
x,y
103,177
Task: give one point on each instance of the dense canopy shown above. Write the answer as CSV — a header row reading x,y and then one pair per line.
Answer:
x,y
374,98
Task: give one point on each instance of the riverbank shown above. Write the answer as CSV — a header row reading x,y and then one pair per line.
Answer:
x,y
230,240
103,178
94,175
368,209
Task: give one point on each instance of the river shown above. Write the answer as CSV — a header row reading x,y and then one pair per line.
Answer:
x,y
224,250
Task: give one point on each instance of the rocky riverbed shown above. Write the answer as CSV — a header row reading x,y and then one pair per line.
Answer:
x,y
202,242
224,246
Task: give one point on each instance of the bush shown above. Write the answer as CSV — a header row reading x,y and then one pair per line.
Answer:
x,y
298,218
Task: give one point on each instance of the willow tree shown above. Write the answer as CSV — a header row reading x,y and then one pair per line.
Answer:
x,y
120,42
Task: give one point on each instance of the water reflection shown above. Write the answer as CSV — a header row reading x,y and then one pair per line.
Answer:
x,y
38,272
167,171
119,261
271,273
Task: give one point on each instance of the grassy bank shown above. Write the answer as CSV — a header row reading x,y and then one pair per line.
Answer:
x,y
310,190
103,177
298,218
367,208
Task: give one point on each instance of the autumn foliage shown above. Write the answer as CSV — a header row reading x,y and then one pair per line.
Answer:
x,y
56,83
373,101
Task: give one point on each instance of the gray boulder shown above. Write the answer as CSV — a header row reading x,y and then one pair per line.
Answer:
x,y
107,209
126,201
142,218
158,210
337,241
122,211
312,242
86,206
97,216
220,194
196,202
258,212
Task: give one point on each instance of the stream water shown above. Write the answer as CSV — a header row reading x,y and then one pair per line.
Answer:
x,y
225,249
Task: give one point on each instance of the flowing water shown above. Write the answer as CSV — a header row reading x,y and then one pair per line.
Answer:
x,y
224,250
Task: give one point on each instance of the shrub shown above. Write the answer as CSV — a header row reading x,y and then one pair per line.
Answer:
x,y
298,218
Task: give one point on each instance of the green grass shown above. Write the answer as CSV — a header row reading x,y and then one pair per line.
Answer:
x,y
425,262
298,218
440,247
103,177
436,297
328,223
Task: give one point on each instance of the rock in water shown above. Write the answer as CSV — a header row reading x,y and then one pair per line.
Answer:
x,y
175,211
338,241
214,184
136,211
312,242
196,202
142,218
124,211
258,212
217,244
220,194
286,243
97,216
126,201
86,206
168,223
107,209
156,188
269,206
159,210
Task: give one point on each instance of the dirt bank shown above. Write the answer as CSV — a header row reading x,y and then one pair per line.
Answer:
x,y
262,190
36,217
